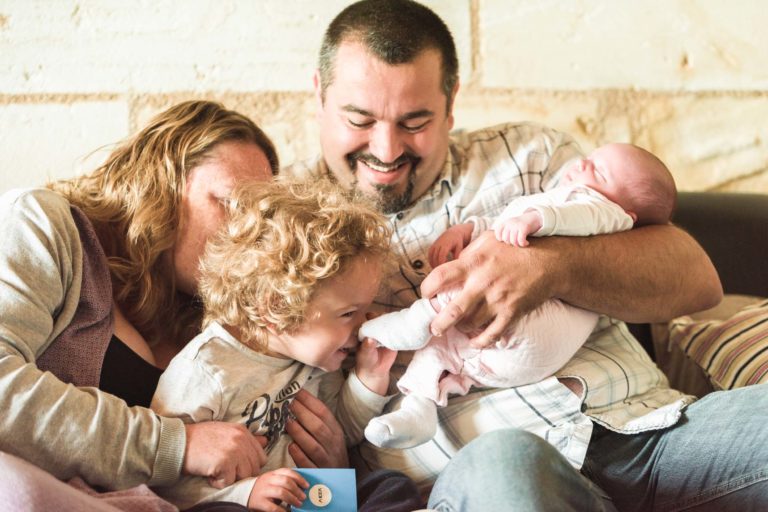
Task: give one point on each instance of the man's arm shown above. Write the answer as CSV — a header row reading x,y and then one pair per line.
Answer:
x,y
647,274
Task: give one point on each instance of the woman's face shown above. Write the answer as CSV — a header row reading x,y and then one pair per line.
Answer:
x,y
202,209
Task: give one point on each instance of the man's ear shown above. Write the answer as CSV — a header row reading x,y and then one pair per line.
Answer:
x,y
451,119
318,90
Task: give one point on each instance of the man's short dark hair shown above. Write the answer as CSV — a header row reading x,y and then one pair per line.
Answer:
x,y
395,31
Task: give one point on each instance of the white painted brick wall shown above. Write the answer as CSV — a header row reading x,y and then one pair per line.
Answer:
x,y
41,142
648,44
687,79
166,45
710,141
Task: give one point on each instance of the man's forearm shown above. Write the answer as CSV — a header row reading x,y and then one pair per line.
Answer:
x,y
647,274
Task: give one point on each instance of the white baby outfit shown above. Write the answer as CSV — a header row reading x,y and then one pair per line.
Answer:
x,y
538,345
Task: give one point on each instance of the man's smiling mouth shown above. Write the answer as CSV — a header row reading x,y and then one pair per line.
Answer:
x,y
384,168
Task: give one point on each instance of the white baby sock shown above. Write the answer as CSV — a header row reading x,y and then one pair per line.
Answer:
x,y
414,423
407,329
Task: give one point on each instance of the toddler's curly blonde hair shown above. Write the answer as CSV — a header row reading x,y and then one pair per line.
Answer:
x,y
280,241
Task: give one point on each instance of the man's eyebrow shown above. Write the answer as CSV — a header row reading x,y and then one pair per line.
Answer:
x,y
356,110
410,115
417,114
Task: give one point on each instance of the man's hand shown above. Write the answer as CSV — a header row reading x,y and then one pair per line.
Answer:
x,y
499,284
450,244
279,486
318,438
223,452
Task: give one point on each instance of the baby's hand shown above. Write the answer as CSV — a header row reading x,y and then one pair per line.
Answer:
x,y
515,230
450,243
275,487
372,364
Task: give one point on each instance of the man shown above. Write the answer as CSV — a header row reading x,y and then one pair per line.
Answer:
x,y
386,84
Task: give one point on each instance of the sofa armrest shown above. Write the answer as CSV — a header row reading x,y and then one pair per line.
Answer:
x,y
733,230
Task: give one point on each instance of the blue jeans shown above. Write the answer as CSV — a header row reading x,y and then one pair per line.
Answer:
x,y
514,470
714,459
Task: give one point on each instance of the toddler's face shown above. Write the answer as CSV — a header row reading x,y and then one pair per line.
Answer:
x,y
335,313
603,170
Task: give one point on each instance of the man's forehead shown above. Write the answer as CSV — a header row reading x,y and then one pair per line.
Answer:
x,y
366,85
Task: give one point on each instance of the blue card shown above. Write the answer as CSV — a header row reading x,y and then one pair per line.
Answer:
x,y
330,490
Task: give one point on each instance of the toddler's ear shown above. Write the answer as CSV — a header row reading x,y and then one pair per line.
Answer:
x,y
634,216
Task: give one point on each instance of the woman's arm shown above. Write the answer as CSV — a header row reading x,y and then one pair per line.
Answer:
x,y
647,274
63,429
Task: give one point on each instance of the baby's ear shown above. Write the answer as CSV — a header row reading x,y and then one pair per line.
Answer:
x,y
634,217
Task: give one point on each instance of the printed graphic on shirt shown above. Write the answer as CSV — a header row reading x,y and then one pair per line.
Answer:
x,y
269,415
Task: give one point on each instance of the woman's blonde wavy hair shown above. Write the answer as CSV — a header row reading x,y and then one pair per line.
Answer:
x,y
133,201
282,239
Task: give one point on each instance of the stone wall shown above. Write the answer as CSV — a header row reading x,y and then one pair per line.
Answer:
x,y
683,78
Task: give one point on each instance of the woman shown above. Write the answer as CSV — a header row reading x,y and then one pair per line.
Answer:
x,y
97,282
97,278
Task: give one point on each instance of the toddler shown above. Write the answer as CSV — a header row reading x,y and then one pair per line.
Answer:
x,y
285,286
615,188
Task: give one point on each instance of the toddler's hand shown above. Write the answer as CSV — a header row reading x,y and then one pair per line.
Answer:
x,y
274,487
450,243
372,364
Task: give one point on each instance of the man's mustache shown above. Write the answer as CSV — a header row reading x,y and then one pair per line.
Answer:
x,y
406,157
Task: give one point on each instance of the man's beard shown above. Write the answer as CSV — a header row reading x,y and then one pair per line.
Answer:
x,y
385,197
388,200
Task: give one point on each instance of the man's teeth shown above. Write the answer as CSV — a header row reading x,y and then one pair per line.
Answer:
x,y
382,168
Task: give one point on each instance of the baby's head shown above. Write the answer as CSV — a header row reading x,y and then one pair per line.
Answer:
x,y
293,255
630,176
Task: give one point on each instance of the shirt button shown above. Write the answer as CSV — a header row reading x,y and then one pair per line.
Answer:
x,y
418,264
400,216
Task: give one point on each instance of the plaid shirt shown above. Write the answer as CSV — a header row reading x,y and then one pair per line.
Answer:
x,y
623,388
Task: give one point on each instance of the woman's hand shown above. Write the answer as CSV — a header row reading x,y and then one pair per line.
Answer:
x,y
275,487
372,365
223,452
318,438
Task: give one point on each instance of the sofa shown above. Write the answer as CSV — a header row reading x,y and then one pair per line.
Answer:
x,y
698,352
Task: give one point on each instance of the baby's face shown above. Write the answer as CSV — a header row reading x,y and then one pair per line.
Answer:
x,y
604,170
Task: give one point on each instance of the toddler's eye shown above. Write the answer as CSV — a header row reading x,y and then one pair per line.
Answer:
x,y
349,313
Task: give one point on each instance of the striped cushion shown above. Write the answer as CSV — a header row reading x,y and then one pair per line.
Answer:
x,y
733,352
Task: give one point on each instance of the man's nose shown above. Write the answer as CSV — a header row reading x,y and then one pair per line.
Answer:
x,y
386,143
